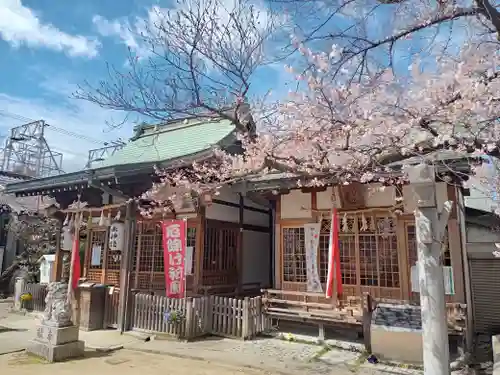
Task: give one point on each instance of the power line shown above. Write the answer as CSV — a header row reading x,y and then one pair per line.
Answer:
x,y
54,128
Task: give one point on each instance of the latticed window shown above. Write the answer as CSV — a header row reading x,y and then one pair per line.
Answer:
x,y
220,265
148,260
294,255
368,252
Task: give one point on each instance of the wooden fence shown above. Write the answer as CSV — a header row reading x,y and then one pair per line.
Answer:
x,y
198,316
38,293
111,300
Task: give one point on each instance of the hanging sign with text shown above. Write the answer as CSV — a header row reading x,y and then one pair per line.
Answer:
x,y
174,254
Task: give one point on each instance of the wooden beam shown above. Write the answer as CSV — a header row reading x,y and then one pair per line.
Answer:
x,y
237,205
110,191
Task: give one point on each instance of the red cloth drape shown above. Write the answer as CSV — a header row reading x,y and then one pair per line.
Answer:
x,y
334,258
76,261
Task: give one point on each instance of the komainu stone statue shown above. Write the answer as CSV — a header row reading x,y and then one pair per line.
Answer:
x,y
57,307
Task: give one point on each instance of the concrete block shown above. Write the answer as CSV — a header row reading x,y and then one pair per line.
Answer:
x,y
56,353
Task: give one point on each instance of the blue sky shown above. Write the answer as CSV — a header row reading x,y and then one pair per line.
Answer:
x,y
47,47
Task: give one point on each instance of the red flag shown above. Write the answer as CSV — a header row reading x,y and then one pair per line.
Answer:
x,y
334,258
76,261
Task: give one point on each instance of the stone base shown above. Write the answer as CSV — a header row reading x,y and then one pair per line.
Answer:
x,y
56,353
55,335
56,343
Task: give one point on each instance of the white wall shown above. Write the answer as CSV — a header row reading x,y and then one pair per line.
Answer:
x,y
256,258
231,214
481,195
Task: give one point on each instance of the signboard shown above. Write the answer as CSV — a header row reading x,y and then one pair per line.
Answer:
x,y
397,317
174,256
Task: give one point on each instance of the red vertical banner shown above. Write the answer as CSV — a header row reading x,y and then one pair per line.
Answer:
x,y
334,270
174,255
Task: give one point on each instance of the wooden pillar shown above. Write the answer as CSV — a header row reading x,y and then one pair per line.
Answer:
x,y
199,250
239,255
124,306
58,262
277,246
104,269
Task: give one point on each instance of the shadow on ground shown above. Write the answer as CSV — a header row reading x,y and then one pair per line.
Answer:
x,y
24,358
7,329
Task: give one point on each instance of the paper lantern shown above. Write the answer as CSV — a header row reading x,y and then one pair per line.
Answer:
x,y
116,236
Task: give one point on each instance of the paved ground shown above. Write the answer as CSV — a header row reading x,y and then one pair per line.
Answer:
x,y
215,356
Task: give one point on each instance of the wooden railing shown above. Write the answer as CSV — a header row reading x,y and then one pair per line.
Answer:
x,y
216,315
231,289
291,305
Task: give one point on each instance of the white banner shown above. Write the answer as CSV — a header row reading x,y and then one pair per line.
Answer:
x,y
311,247
188,260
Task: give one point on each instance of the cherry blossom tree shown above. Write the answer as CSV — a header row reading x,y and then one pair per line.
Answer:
x,y
198,56
37,236
378,34
356,131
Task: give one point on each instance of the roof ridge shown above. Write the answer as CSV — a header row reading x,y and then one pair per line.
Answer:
x,y
171,127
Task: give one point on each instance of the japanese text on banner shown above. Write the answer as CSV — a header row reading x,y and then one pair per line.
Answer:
x,y
174,253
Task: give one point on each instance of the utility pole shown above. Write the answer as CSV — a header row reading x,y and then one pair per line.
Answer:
x,y
430,227
100,154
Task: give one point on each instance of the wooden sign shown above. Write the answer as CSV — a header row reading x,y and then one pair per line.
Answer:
x,y
352,196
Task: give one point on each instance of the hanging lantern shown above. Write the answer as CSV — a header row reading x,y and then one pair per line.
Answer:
x,y
116,236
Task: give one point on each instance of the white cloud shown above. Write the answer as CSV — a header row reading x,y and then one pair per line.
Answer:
x,y
19,25
77,116
129,31
122,29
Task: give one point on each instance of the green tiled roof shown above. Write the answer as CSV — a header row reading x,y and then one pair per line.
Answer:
x,y
170,142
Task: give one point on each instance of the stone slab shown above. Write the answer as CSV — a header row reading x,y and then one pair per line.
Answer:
x,y
397,317
56,335
56,353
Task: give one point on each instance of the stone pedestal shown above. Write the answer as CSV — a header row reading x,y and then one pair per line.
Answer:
x,y
56,336
56,343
